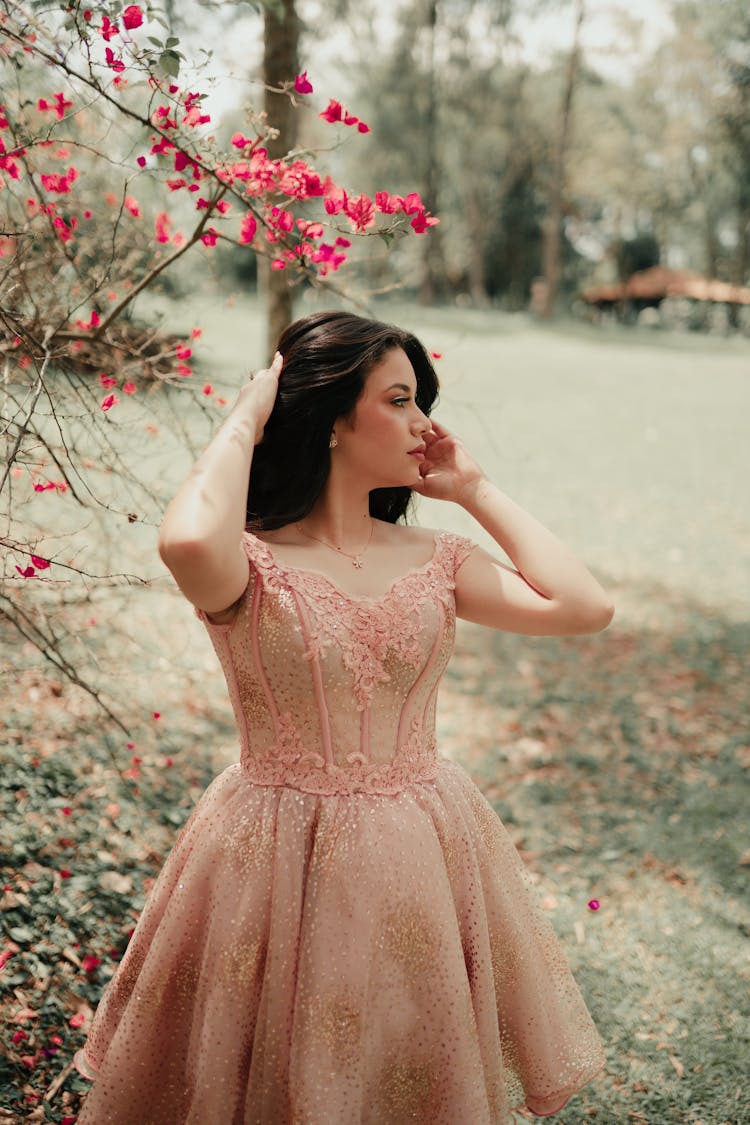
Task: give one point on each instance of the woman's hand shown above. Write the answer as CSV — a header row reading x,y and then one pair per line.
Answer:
x,y
448,468
259,394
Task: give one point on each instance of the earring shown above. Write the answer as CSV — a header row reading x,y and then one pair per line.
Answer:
x,y
332,441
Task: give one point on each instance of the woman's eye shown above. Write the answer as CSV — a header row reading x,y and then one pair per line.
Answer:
x,y
399,401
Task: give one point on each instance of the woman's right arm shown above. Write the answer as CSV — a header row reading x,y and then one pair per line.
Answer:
x,y
200,539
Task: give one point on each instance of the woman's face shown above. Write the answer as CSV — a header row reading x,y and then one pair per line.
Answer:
x,y
377,442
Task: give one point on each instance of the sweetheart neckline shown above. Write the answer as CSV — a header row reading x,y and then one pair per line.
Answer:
x,y
287,567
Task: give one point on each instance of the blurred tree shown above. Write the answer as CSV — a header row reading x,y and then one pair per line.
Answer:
x,y
553,222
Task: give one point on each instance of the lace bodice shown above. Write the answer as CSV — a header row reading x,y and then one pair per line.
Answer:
x,y
332,692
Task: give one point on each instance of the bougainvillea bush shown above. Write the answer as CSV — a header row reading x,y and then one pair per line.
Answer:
x,y
110,173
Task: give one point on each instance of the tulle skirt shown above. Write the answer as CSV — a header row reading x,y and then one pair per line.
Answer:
x,y
339,960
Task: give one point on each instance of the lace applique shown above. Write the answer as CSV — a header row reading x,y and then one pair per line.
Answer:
x,y
417,760
367,629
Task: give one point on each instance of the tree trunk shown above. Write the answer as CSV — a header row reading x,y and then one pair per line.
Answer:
x,y
280,64
742,258
433,275
477,243
552,248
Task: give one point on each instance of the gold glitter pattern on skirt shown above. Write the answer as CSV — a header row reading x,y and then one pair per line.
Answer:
x,y
343,932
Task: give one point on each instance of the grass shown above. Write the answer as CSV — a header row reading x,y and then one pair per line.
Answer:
x,y
618,762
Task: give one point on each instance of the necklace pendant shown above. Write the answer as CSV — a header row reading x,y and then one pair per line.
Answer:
x,y
357,562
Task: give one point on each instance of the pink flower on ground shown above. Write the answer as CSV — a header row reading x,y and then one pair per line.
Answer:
x,y
301,84
132,17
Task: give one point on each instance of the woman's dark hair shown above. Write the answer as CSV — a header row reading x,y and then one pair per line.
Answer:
x,y
327,358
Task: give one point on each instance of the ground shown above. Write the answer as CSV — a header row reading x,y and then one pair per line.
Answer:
x,y
617,761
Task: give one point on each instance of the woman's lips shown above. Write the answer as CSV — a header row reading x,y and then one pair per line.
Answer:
x,y
416,453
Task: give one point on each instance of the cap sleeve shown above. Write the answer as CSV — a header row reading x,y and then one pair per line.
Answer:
x,y
253,547
456,550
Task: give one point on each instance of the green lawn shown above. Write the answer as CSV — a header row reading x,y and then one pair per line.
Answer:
x,y
618,762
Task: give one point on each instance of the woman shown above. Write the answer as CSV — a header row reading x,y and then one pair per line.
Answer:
x,y
343,932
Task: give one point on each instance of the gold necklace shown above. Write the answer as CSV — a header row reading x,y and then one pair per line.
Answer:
x,y
356,559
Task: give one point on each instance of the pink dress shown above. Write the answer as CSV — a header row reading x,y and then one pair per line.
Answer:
x,y
343,932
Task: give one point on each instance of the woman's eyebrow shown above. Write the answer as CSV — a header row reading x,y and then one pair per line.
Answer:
x,y
401,386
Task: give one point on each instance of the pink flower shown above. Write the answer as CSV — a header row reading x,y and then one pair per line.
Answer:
x,y
412,203
132,17
93,322
132,205
161,224
141,161
278,264
241,141
360,212
362,128
113,63
210,236
40,564
336,201
248,228
60,184
61,104
128,388
64,231
388,204
422,221
108,29
27,572
183,351
301,84
208,389
332,112
89,963
108,402
77,1020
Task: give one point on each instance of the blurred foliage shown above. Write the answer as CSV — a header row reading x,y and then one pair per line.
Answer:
x,y
658,167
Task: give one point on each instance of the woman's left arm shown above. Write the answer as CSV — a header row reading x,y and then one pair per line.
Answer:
x,y
550,592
